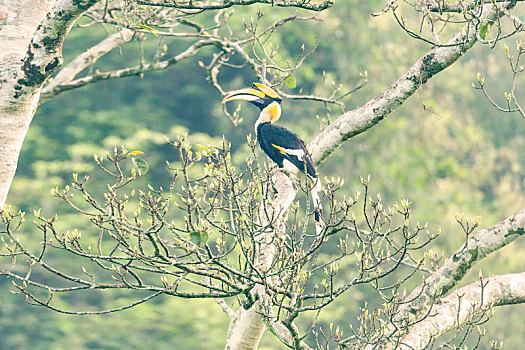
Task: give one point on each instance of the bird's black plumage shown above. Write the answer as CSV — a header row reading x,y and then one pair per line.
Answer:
x,y
280,144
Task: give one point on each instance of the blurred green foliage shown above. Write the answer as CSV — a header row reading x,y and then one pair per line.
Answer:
x,y
446,150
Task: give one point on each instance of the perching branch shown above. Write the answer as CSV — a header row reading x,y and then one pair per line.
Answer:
x,y
363,118
247,326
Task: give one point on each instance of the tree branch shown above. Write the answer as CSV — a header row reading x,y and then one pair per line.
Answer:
x,y
441,6
363,118
68,73
211,5
460,307
421,302
44,55
477,247
126,72
227,310
24,72
247,327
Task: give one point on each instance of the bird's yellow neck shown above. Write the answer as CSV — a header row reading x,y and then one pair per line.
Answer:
x,y
270,113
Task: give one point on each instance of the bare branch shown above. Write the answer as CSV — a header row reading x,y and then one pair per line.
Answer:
x,y
419,304
227,310
442,6
69,72
247,326
361,119
217,5
35,301
477,247
126,72
460,306
512,103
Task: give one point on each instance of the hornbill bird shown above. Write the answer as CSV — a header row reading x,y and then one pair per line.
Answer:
x,y
282,146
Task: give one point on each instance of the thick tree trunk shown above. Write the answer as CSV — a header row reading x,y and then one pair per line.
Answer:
x,y
19,20
31,37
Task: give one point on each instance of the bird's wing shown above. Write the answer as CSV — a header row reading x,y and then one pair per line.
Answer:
x,y
290,146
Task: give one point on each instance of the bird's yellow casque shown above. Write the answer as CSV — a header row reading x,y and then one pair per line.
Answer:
x,y
282,146
263,94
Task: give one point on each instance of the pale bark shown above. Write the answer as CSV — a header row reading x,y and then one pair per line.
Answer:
x,y
31,36
381,106
247,327
430,293
476,248
361,119
220,4
66,84
19,20
31,40
459,308
69,72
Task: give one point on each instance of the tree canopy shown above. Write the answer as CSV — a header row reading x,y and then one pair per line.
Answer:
x,y
447,160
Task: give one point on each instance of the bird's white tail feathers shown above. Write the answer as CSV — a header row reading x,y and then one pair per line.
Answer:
x,y
318,209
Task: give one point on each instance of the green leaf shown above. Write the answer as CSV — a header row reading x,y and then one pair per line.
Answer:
x,y
199,237
290,82
141,165
484,31
522,19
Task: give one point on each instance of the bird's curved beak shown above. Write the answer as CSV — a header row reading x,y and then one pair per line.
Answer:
x,y
248,94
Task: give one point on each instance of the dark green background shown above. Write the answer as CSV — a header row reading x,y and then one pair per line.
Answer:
x,y
464,157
